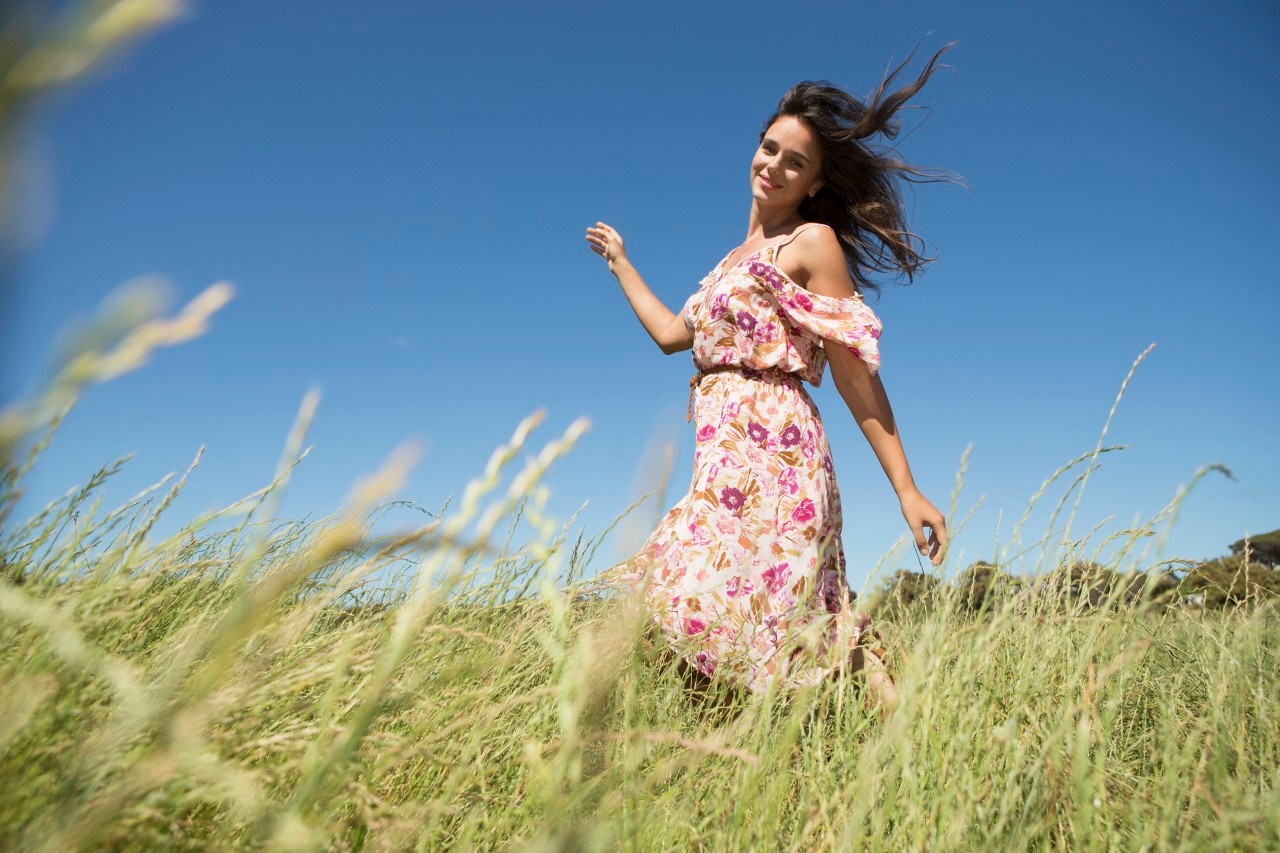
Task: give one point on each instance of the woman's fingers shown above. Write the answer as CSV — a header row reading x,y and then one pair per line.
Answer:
x,y
607,239
598,240
934,545
937,539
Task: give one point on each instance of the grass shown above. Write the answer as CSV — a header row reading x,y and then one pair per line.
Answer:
x,y
172,707
286,685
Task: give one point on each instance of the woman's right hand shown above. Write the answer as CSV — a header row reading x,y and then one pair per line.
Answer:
x,y
606,243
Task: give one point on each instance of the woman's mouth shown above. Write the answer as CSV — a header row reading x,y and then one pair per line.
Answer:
x,y
769,185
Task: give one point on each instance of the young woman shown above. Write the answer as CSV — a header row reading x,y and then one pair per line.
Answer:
x,y
745,575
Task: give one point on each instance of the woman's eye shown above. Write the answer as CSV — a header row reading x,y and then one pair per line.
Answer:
x,y
795,163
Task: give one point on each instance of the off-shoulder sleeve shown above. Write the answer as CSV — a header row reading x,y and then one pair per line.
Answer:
x,y
694,299
846,320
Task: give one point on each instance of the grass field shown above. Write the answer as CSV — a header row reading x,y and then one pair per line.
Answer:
x,y
254,683
240,691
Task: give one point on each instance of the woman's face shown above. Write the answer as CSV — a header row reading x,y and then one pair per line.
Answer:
x,y
787,165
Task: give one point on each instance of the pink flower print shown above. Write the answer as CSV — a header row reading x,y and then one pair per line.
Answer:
x,y
857,353
832,590
746,322
875,333
699,534
675,599
766,332
766,272
803,301
719,306
705,665
737,586
768,488
728,525
775,576
788,481
732,498
694,626
757,431
790,436
805,511
826,463
706,433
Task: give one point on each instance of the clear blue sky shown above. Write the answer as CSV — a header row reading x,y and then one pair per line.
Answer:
x,y
399,193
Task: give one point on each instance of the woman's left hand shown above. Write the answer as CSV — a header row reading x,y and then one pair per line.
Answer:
x,y
920,514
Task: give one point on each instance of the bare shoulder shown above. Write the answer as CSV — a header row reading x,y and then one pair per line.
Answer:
x,y
818,262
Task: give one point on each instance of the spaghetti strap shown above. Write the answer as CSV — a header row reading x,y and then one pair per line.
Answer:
x,y
785,240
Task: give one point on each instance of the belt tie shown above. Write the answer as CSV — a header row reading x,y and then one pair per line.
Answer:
x,y
718,368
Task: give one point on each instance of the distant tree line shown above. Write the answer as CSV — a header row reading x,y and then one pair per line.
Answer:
x,y
1242,578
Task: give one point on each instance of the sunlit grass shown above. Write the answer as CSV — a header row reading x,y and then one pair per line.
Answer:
x,y
261,681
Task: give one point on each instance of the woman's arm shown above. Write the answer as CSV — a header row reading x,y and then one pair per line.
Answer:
x,y
666,328
865,396
820,267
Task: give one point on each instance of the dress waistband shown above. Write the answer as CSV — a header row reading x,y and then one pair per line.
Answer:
x,y
720,368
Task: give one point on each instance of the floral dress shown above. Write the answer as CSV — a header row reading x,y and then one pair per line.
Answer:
x,y
745,575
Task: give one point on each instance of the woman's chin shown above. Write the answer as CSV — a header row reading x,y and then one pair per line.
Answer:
x,y
764,198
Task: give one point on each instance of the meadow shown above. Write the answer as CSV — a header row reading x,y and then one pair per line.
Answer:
x,y
252,682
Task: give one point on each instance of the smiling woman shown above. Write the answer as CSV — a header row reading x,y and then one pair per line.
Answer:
x,y
745,575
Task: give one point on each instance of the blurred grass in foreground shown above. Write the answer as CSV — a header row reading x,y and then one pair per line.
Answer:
x,y
303,686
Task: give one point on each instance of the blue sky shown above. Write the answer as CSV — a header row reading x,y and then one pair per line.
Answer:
x,y
399,193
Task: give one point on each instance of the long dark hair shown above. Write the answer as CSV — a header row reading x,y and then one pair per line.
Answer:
x,y
860,197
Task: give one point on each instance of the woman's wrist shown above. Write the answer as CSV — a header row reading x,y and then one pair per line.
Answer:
x,y
617,266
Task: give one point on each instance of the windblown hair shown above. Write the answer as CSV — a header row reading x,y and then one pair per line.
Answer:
x,y
860,197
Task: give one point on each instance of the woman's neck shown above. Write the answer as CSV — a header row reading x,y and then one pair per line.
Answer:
x,y
765,225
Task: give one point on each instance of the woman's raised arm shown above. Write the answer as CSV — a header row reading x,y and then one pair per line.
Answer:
x,y
665,327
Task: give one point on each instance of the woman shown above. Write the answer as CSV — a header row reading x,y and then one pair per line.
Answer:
x,y
745,575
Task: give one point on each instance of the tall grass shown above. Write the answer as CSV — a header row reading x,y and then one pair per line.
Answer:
x,y
271,683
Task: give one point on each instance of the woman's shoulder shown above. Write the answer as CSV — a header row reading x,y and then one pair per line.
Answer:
x,y
818,260
814,245
812,233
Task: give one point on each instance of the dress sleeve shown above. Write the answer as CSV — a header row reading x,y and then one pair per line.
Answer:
x,y
687,310
846,320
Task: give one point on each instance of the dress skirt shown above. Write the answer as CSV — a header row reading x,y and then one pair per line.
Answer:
x,y
745,576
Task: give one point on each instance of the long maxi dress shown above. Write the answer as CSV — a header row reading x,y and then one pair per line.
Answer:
x,y
745,575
